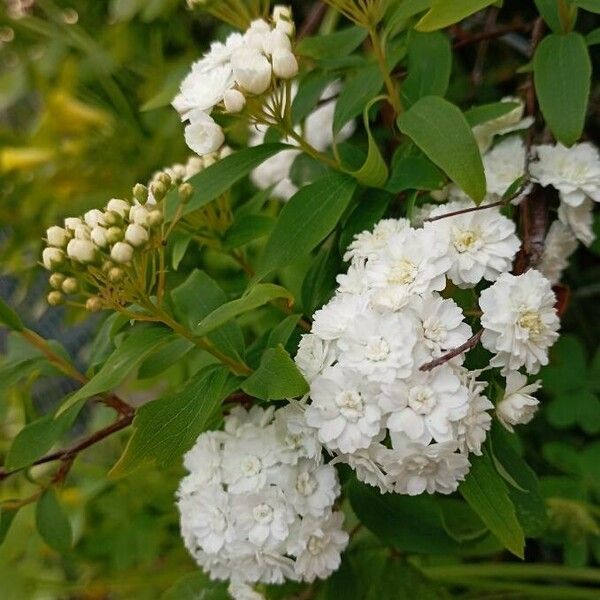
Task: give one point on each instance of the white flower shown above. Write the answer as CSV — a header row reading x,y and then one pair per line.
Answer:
x,y
285,64
331,321
442,324
121,252
263,517
560,243
504,164
82,251
343,410
414,261
139,214
241,422
378,346
318,126
203,460
57,236
82,232
281,12
276,40
472,429
367,464
354,281
136,235
52,258
98,236
205,514
72,222
121,207
579,219
93,218
369,244
519,320
251,70
296,439
202,134
314,354
507,123
415,469
425,406
318,545
574,171
242,591
234,101
518,406
482,245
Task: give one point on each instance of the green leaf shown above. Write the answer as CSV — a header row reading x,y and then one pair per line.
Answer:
x,y
445,12
9,317
567,370
307,219
593,37
332,45
52,522
402,11
488,112
589,5
197,586
164,429
320,280
138,345
579,407
441,131
358,90
276,378
373,172
487,495
197,297
429,66
414,173
7,516
247,229
256,296
371,207
166,356
177,246
549,10
310,90
218,178
281,333
562,75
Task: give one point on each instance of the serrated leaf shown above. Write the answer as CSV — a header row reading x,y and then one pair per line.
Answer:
x,y
9,317
487,495
164,429
317,207
139,344
441,131
276,378
52,522
332,45
256,296
218,178
562,75
445,12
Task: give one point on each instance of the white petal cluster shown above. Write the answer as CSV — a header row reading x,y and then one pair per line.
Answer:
x,y
518,406
560,243
519,321
317,130
257,504
243,65
399,427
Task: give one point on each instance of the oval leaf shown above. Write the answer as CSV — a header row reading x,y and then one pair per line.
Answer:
x,y
53,523
9,317
332,45
446,12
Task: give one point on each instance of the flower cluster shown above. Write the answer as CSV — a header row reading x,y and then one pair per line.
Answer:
x,y
243,66
257,505
385,398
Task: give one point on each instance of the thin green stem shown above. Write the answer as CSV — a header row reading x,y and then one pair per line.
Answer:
x,y
392,91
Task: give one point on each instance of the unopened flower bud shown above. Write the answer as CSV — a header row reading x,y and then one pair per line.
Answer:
x,y
210,159
57,236
98,236
112,218
107,265
140,193
121,207
276,40
93,304
159,190
82,251
136,235
70,285
139,215
251,70
155,218
115,275
114,235
121,252
82,232
282,12
55,298
56,280
165,179
234,101
52,258
286,27
72,222
225,151
94,217
186,191
285,64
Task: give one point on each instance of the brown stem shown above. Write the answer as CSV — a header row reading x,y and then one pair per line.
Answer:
x,y
454,213
470,343
312,21
490,34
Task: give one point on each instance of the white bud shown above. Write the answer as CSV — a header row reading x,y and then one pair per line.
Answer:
x,y
209,160
276,40
286,27
225,151
82,232
285,64
234,101
94,217
82,251
136,235
121,252
98,236
155,218
114,235
259,26
203,135
255,40
121,207
52,258
72,222
57,236
138,215
280,11
251,70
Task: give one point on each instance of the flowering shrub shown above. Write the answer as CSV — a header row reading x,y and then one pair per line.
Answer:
x,y
339,310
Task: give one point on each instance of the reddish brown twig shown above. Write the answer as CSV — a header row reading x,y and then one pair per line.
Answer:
x,y
312,21
470,343
454,213
466,38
